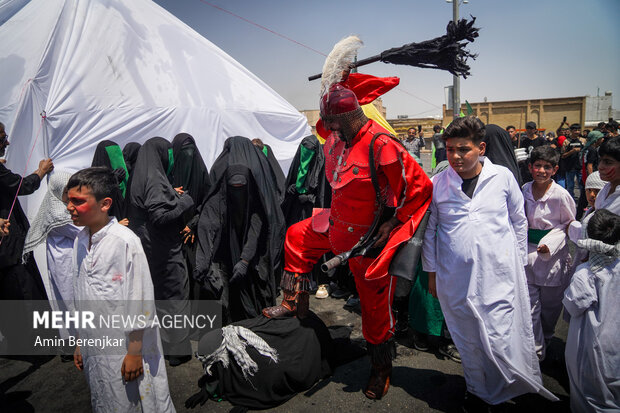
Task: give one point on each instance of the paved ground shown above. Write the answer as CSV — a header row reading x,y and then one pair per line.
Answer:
x,y
421,382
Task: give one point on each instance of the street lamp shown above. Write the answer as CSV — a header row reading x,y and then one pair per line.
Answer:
x,y
456,81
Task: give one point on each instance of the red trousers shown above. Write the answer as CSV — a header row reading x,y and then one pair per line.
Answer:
x,y
303,248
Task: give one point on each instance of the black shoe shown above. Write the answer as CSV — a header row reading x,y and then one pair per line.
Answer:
x,y
420,341
353,304
340,293
178,360
450,351
401,329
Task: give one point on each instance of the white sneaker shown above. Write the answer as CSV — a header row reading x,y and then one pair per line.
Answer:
x,y
322,291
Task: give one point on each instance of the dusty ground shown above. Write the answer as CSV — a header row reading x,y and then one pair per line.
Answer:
x,y
421,382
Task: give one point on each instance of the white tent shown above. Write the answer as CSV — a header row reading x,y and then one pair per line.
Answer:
x,y
124,71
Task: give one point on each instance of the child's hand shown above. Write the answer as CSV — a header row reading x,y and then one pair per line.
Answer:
x,y
124,221
179,190
132,367
432,284
77,358
543,249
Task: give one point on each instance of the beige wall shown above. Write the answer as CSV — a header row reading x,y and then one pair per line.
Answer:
x,y
547,113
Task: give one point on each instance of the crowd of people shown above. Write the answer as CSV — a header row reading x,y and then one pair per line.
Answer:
x,y
507,244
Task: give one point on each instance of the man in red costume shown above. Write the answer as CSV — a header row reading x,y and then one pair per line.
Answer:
x,y
403,185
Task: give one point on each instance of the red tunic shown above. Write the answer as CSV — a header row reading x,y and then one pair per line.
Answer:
x,y
402,181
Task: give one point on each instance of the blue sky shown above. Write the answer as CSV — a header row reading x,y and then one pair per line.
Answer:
x,y
527,48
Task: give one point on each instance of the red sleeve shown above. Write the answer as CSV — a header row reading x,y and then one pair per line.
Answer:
x,y
408,181
414,191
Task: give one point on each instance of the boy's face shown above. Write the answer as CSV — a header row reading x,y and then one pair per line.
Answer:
x,y
542,171
84,208
463,155
609,168
591,194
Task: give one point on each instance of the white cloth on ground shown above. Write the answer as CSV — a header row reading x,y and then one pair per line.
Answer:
x,y
114,272
478,248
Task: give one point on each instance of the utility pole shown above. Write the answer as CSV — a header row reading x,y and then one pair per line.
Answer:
x,y
456,82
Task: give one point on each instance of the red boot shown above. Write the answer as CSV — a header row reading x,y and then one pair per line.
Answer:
x,y
381,356
295,300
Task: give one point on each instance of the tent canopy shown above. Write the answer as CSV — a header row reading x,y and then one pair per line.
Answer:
x,y
124,71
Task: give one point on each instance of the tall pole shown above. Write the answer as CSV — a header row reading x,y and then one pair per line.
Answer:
x,y
456,82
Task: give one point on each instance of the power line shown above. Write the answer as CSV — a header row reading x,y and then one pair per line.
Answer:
x,y
298,43
263,27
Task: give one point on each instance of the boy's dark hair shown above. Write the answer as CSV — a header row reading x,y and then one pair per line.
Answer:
x,y
99,179
510,127
610,148
545,153
612,126
604,226
469,127
437,128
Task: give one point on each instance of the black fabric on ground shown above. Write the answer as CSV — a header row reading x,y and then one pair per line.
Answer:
x,y
101,158
500,151
306,354
156,216
215,258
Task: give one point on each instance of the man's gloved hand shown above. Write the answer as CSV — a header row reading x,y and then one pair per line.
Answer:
x,y
292,189
303,198
239,271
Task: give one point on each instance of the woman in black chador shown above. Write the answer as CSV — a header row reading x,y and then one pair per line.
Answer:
x,y
306,184
109,154
191,174
240,232
156,216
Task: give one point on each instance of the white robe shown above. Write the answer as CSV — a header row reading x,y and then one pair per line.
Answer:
x,y
478,248
592,356
59,249
603,201
114,272
553,211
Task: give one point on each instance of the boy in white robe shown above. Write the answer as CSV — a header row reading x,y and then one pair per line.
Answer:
x,y
549,209
111,270
608,197
475,253
592,357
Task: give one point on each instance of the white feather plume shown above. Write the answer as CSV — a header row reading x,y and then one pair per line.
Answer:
x,y
338,60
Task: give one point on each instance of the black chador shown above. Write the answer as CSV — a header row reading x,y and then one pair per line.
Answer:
x,y
110,155
130,154
190,172
500,151
240,231
306,182
156,216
